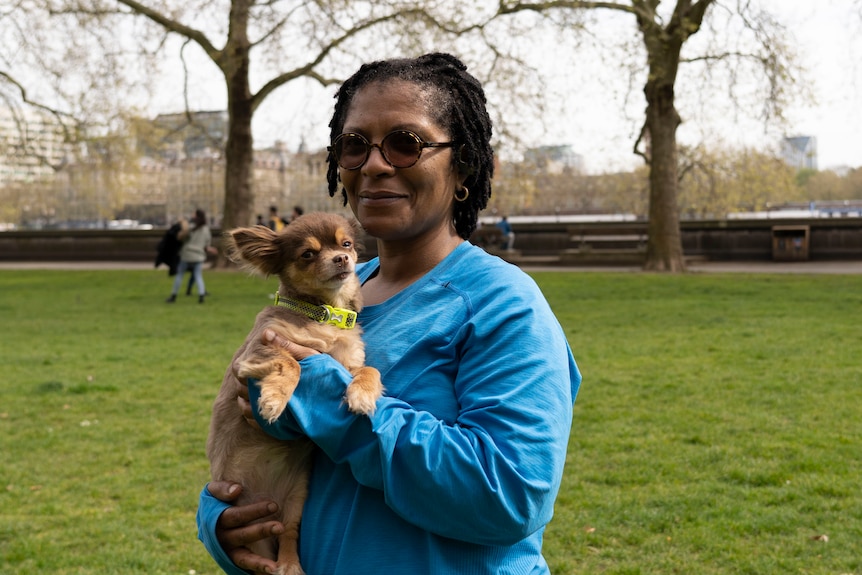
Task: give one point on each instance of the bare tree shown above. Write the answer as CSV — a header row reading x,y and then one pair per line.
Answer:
x,y
664,34
259,46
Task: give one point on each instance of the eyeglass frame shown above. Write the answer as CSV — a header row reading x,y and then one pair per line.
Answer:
x,y
368,146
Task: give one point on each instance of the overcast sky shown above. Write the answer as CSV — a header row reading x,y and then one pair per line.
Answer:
x,y
828,36
601,120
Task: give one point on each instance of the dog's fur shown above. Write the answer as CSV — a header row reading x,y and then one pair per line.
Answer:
x,y
314,258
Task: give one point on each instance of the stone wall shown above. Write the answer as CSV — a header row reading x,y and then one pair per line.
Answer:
x,y
547,243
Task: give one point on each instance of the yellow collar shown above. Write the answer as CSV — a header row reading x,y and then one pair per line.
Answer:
x,y
339,317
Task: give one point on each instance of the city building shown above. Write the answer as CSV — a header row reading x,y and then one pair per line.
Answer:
x,y
192,135
555,159
800,152
32,145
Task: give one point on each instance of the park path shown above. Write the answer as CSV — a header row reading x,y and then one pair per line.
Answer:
x,y
817,267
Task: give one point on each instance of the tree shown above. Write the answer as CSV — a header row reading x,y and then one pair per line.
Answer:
x,y
664,35
258,47
716,182
827,185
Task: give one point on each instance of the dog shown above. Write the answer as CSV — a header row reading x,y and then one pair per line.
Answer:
x,y
317,302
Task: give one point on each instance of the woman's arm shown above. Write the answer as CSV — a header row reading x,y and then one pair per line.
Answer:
x,y
491,475
226,530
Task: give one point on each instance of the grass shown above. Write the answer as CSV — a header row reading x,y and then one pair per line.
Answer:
x,y
717,429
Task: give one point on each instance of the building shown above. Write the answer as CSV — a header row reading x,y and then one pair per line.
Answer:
x,y
193,135
800,152
555,159
32,145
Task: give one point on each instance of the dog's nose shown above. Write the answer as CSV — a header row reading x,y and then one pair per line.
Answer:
x,y
340,259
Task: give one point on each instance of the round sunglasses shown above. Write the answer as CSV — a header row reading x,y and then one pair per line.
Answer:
x,y
400,149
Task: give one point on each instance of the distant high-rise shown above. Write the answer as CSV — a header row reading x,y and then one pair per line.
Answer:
x,y
555,159
31,145
800,152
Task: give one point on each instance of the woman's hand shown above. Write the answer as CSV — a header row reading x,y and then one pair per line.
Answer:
x,y
299,352
269,337
235,530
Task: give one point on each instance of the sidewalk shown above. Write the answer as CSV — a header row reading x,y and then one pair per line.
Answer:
x,y
767,267
743,267
822,267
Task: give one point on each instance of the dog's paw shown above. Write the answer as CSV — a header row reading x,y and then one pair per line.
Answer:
x,y
247,368
364,391
358,401
273,400
292,569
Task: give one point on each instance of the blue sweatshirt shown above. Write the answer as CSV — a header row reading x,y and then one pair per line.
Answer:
x,y
457,470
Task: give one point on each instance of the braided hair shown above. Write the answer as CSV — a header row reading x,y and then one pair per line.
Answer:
x,y
459,108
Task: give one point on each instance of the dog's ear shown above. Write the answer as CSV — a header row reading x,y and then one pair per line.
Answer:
x,y
255,249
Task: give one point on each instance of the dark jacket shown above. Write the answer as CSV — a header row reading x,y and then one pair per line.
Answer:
x,y
168,249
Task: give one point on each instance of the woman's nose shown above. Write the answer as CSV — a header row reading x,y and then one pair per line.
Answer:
x,y
376,160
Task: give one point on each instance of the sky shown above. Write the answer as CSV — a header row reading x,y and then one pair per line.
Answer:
x,y
599,124
831,36
593,110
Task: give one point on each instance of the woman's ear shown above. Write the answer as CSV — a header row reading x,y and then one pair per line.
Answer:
x,y
465,166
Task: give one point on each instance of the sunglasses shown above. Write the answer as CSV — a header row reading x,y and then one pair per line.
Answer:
x,y
400,149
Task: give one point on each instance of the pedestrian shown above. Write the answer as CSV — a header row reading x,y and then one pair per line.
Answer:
x,y
196,238
508,235
297,211
458,468
275,221
168,249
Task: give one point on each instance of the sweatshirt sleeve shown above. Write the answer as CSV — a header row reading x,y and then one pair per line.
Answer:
x,y
209,510
491,475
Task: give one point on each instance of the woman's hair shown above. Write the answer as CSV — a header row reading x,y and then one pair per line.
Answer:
x,y
458,106
200,219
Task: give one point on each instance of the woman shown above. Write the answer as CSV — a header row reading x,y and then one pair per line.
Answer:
x,y
457,470
193,254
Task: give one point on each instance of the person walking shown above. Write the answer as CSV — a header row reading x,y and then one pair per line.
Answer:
x,y
197,239
276,222
297,211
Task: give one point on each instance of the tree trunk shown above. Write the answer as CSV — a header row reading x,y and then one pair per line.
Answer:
x,y
664,244
239,150
239,157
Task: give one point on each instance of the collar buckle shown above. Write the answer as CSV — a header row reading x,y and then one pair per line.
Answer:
x,y
324,314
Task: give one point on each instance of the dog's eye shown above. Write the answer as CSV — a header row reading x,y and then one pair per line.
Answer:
x,y
308,254
347,244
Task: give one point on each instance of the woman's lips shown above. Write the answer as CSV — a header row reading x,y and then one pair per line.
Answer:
x,y
379,198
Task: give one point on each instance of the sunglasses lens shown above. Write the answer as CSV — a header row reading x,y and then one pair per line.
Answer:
x,y
351,150
402,149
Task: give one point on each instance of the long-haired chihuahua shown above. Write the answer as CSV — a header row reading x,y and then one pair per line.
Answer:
x,y
316,306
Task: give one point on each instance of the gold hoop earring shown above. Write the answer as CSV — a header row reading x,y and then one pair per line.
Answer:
x,y
464,197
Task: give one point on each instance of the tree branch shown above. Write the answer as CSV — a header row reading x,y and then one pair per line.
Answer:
x,y
21,123
506,8
689,22
177,27
636,151
280,24
308,71
61,117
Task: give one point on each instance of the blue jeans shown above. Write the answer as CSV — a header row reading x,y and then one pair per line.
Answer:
x,y
197,271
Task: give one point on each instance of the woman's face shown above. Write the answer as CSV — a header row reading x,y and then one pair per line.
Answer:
x,y
400,203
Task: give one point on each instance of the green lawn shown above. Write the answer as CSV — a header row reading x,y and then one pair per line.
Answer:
x,y
718,429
